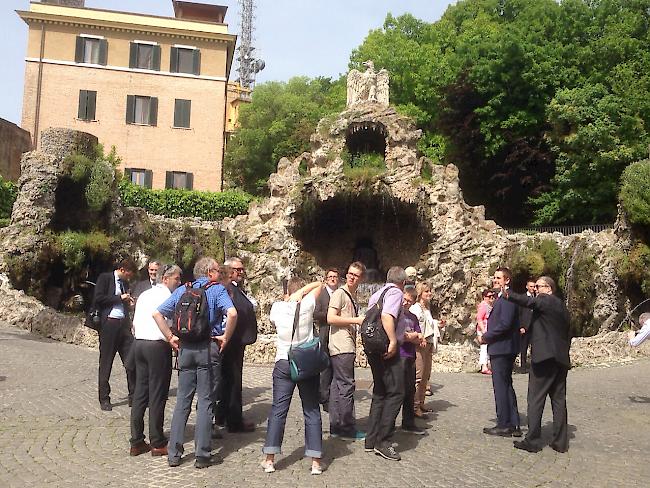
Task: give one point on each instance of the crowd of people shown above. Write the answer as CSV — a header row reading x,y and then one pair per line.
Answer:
x,y
506,324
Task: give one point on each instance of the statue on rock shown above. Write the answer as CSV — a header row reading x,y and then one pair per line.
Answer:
x,y
369,86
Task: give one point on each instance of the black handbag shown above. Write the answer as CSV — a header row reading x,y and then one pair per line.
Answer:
x,y
93,320
308,359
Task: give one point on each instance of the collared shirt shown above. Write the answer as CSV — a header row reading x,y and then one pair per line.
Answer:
x,y
117,312
329,290
282,315
218,303
643,334
144,325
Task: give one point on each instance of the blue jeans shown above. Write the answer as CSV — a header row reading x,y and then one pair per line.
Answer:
x,y
283,387
200,371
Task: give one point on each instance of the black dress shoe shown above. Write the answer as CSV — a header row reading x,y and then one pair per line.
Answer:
x,y
496,430
558,449
526,446
516,432
105,406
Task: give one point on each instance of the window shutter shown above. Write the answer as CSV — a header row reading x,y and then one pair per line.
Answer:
x,y
156,58
130,109
178,105
127,174
81,113
169,179
133,55
197,62
79,50
103,51
148,178
91,100
173,60
189,181
153,111
187,105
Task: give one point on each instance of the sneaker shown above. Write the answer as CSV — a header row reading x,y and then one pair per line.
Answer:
x,y
354,436
316,470
173,462
206,462
413,429
268,466
388,452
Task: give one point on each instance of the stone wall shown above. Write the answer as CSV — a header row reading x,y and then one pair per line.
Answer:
x,y
14,141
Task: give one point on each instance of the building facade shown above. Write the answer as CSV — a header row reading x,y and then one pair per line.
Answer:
x,y
153,87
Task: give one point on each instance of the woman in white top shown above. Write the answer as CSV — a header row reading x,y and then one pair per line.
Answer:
x,y
282,316
430,328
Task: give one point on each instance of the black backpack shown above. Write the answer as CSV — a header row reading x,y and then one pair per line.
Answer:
x,y
192,315
373,336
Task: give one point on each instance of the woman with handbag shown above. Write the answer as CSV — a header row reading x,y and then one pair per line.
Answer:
x,y
296,361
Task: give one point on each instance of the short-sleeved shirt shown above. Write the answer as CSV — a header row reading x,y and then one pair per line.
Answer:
x,y
144,326
342,339
218,303
407,322
392,300
282,315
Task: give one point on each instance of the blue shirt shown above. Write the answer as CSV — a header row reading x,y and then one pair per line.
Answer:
x,y
218,303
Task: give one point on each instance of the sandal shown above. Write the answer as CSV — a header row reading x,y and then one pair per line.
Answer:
x,y
268,466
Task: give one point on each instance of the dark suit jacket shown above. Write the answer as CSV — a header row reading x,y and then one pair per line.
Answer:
x,y
549,327
105,297
246,331
322,304
525,316
140,287
502,336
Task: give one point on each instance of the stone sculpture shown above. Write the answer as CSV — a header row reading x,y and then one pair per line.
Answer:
x,y
368,86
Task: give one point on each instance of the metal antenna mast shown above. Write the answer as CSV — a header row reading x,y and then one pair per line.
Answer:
x,y
249,66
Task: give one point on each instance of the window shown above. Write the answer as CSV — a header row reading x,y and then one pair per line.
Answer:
x,y
182,113
87,102
92,50
141,110
185,60
179,180
138,176
144,56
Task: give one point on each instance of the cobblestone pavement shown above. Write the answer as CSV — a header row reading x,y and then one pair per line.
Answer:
x,y
53,434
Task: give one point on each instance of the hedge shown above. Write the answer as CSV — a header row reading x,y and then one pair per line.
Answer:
x,y
8,194
185,203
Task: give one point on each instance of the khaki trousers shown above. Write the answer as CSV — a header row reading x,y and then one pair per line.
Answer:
x,y
423,360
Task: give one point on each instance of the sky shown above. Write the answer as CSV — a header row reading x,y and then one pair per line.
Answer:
x,y
293,37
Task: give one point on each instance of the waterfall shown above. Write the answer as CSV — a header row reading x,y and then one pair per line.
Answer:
x,y
569,272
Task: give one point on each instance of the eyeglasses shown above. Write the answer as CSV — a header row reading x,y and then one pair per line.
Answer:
x,y
239,270
355,275
166,268
333,277
542,285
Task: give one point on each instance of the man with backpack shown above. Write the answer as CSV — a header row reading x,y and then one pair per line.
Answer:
x,y
387,370
199,336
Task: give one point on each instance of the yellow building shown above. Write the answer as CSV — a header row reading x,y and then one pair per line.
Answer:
x,y
154,87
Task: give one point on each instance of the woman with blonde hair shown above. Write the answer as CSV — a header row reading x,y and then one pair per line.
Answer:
x,y
430,328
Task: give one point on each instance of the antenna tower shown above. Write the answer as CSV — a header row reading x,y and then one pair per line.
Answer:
x,y
249,66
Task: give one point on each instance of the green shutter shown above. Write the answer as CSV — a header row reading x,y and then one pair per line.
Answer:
x,y
79,50
178,106
156,58
133,55
197,62
148,178
186,113
130,109
173,60
189,181
91,101
153,111
169,179
103,51
81,113
127,174
182,113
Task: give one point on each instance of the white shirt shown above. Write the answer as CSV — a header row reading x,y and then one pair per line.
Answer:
x,y
282,314
642,335
144,325
117,312
428,325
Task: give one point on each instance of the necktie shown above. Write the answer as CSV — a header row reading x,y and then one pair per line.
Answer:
x,y
121,283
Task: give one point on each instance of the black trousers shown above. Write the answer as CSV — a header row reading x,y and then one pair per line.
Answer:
x,y
408,405
153,363
114,337
504,393
387,397
229,407
524,340
548,378
327,374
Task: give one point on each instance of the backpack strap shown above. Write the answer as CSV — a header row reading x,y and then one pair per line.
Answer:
x,y
296,319
354,304
380,302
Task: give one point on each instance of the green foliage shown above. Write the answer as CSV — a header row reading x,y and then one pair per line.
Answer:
x,y
185,203
635,192
77,248
8,194
582,296
634,268
278,123
367,160
97,173
540,257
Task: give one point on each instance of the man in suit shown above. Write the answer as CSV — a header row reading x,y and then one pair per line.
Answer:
x,y
230,406
550,342
320,318
502,338
113,300
150,282
525,314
